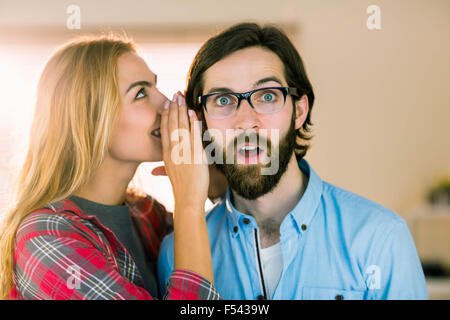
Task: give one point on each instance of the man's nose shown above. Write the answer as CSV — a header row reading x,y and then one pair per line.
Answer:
x,y
246,117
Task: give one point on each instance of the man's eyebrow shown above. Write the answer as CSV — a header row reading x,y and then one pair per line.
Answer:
x,y
222,89
268,79
256,84
139,83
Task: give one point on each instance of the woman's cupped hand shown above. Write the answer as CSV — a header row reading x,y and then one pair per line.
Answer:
x,y
185,160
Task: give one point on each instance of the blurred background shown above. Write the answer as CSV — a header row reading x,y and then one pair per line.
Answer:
x,y
382,111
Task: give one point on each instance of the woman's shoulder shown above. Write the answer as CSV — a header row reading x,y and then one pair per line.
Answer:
x,y
43,222
144,202
57,219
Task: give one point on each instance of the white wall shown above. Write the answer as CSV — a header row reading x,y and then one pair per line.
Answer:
x,y
381,118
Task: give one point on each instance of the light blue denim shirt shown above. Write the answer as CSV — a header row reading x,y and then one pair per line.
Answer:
x,y
335,245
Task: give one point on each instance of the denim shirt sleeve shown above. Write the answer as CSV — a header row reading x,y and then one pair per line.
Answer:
x,y
394,272
165,262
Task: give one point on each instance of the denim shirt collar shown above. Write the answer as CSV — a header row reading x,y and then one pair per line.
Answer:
x,y
299,218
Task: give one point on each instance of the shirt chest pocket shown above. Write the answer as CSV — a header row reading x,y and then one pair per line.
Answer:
x,y
311,293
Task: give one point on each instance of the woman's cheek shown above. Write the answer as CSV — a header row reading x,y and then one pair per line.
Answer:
x,y
129,138
121,148
150,147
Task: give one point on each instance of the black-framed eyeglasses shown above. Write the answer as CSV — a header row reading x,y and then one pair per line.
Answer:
x,y
220,105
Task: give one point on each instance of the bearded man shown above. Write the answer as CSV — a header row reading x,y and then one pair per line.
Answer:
x,y
281,232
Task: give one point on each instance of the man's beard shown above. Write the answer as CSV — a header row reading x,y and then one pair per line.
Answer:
x,y
247,180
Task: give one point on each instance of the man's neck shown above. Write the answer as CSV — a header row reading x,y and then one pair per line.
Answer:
x,y
270,209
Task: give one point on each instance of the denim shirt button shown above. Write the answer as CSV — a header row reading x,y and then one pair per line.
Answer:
x,y
339,297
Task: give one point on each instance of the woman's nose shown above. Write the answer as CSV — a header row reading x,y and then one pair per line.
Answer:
x,y
160,108
161,105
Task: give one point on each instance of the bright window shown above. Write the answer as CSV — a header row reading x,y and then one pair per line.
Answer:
x,y
20,68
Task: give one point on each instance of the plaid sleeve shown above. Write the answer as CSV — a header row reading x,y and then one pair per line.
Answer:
x,y
53,261
188,285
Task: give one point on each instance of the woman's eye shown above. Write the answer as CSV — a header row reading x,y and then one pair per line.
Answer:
x,y
141,94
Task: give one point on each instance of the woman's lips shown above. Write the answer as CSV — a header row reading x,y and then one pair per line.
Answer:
x,y
156,133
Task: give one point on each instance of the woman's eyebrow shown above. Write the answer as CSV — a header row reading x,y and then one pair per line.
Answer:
x,y
138,83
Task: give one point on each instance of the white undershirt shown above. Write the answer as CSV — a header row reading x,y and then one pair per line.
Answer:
x,y
272,261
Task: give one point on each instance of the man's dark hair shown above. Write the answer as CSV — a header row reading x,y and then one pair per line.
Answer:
x,y
245,35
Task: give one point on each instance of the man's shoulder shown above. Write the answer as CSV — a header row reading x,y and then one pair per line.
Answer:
x,y
363,225
356,208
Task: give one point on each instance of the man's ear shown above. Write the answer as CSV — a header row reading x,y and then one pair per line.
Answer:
x,y
301,111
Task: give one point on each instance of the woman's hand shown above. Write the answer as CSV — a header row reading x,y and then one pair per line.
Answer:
x,y
186,165
217,181
184,158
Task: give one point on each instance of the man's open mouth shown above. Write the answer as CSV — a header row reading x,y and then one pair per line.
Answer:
x,y
249,153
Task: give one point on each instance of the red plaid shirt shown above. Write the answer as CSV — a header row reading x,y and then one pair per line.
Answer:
x,y
62,253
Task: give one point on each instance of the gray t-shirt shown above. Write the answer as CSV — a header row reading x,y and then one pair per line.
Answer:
x,y
119,221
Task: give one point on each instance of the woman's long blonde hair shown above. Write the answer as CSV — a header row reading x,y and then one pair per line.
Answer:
x,y
76,107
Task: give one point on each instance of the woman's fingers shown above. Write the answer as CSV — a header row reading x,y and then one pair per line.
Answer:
x,y
164,129
183,119
184,126
181,132
183,162
173,121
196,138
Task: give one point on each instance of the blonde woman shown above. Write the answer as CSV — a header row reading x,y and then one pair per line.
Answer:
x,y
73,232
